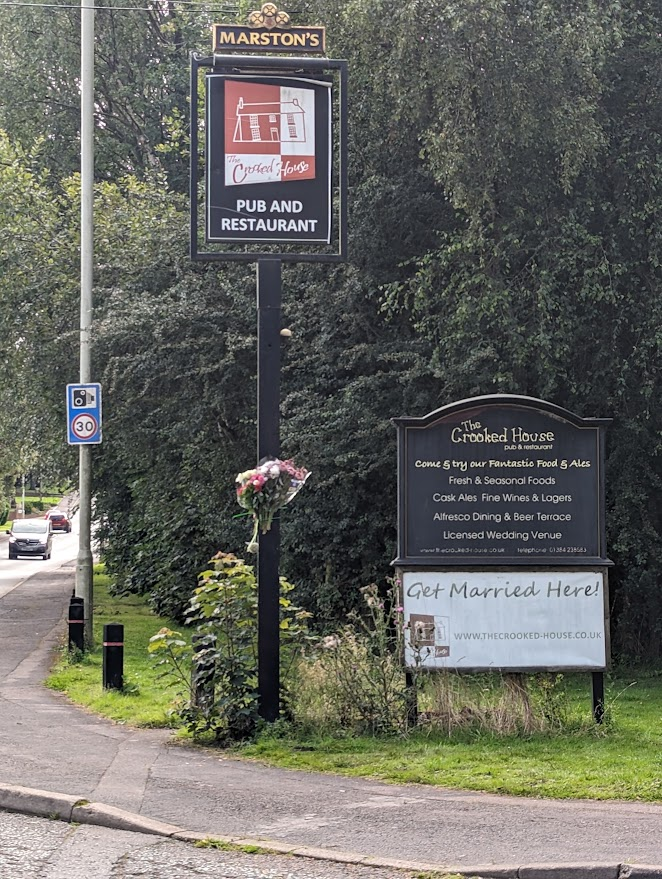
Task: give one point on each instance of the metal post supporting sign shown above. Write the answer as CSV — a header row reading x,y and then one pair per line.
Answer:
x,y
270,197
269,283
83,414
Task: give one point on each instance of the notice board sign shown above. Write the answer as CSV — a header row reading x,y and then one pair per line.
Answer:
x,y
268,159
501,480
513,620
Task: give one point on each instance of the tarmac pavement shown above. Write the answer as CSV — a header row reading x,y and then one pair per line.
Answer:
x,y
57,760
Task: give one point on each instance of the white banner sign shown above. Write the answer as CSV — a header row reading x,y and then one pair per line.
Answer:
x,y
504,619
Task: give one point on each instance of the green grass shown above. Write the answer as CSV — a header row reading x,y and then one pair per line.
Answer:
x,y
621,759
614,767
222,845
146,698
47,500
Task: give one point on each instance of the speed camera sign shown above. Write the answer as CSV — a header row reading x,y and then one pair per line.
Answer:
x,y
84,414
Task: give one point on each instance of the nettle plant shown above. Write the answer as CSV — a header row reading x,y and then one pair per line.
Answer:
x,y
355,681
219,668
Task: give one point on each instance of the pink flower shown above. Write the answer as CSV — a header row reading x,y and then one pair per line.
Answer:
x,y
265,489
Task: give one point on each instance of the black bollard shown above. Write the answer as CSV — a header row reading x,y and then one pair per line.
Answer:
x,y
113,656
76,623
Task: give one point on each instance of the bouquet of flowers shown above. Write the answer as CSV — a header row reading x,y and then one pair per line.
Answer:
x,y
267,488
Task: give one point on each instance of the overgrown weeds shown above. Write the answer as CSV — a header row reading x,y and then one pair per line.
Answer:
x,y
354,681
217,672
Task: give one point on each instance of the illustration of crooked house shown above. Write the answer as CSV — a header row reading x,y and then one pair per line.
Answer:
x,y
263,122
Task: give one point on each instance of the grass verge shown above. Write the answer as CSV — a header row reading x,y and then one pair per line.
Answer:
x,y
147,698
623,762
47,503
619,760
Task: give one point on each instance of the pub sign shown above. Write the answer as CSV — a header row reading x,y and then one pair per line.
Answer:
x,y
299,40
501,480
268,158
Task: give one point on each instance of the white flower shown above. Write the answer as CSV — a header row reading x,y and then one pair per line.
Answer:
x,y
274,472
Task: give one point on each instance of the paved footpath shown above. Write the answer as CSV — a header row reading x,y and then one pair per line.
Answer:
x,y
56,759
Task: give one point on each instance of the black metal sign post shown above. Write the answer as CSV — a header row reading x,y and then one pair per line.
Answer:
x,y
275,190
268,445
598,695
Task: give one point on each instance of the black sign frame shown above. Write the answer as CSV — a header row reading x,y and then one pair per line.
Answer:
x,y
585,505
264,66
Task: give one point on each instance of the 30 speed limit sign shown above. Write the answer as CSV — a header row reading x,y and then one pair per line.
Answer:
x,y
84,414
84,427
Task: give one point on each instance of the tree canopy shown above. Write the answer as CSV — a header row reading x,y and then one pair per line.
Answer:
x,y
505,181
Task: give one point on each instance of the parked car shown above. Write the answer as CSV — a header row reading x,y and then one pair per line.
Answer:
x,y
30,537
59,520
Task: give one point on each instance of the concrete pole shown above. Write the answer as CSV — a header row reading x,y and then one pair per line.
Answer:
x,y
84,561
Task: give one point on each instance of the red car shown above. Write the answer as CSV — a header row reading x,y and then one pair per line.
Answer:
x,y
59,520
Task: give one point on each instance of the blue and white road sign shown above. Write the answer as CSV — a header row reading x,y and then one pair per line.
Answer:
x,y
83,414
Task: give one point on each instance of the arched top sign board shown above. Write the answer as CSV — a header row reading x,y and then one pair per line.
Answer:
x,y
501,480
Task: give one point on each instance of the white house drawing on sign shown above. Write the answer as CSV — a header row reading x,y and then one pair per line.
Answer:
x,y
276,122
269,133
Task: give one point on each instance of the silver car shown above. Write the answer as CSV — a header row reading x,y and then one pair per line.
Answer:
x,y
30,537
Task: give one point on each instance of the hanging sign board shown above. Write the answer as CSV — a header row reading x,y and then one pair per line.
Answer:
x,y
505,620
268,159
501,480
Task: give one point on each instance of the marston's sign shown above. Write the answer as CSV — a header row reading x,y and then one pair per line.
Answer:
x,y
238,38
269,31
268,159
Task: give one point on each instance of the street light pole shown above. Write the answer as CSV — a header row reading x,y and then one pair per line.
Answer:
x,y
84,561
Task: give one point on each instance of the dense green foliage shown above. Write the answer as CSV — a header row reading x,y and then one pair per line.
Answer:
x,y
37,288
505,180
217,673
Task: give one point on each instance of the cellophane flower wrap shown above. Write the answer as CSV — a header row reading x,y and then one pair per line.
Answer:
x,y
265,489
